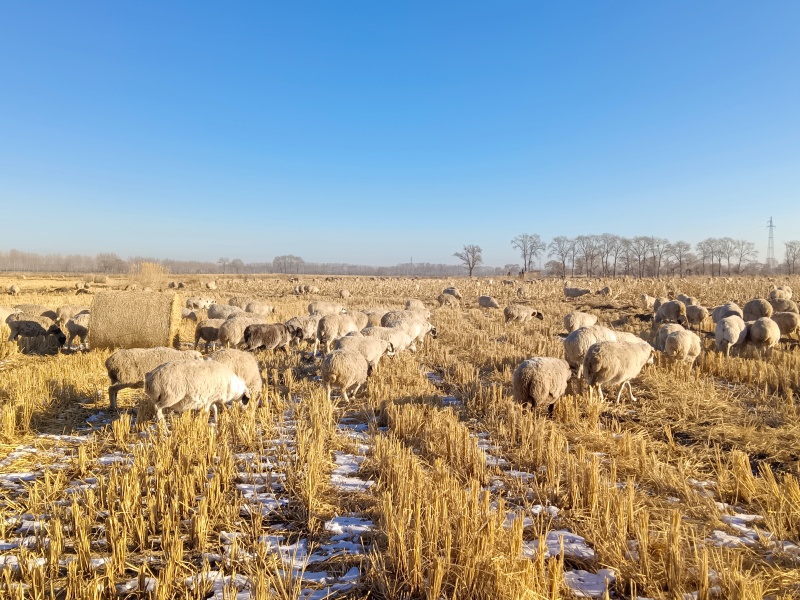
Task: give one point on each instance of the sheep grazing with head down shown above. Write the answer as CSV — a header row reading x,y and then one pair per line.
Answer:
x,y
616,363
208,331
413,324
687,300
199,302
664,332
344,369
273,336
78,327
370,347
730,332
696,315
192,385
788,323
519,313
683,346
571,292
223,311
31,326
331,328
259,308
577,343
189,315
127,368
487,302
323,308
244,365
672,311
756,309
37,310
448,300
783,305
783,292
305,326
729,309
576,320
764,333
344,294
398,338
231,332
658,302
541,381
14,290
453,291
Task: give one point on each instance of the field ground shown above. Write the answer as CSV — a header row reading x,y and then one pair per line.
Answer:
x,y
431,484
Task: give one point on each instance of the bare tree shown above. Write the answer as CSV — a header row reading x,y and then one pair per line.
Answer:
x,y
745,252
470,255
726,248
560,248
587,247
658,249
792,255
530,246
237,264
640,245
223,262
678,251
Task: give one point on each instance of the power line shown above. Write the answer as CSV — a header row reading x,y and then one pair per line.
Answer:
x,y
771,246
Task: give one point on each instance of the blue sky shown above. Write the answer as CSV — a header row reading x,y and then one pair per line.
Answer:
x,y
370,132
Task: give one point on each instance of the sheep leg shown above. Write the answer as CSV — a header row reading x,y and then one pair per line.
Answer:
x,y
215,413
328,392
346,397
355,391
619,393
112,394
630,391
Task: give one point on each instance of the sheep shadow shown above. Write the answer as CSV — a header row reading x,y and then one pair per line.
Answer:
x,y
71,412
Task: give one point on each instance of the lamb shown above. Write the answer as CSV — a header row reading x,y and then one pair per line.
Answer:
x,y
78,326
541,381
29,326
127,368
344,369
452,291
208,331
66,312
399,339
764,333
323,308
576,320
672,311
370,347
244,365
730,331
189,315
784,305
192,385
664,333
231,332
14,290
788,323
578,342
198,302
448,300
414,304
682,346
756,308
331,328
647,302
696,314
519,313
723,311
305,327
616,363
487,302
259,308
223,311
276,336
571,292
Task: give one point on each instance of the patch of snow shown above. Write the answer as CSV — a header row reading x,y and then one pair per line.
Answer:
x,y
589,585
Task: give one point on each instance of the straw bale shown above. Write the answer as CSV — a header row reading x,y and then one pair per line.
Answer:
x,y
135,320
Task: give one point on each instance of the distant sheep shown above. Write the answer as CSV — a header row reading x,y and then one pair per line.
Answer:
x,y
208,331
576,320
448,300
577,343
344,294
606,291
541,381
616,363
127,368
193,385
519,313
259,308
244,365
487,302
756,308
647,302
323,308
571,292
370,347
199,302
730,332
14,290
78,327
453,291
223,311
344,369
696,315
783,292
788,323
683,346
274,336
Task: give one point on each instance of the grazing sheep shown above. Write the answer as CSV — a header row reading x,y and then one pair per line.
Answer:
x,y
244,365
764,333
687,300
783,292
361,319
519,313
6,312
241,301
664,333
208,331
192,385
127,368
730,331
672,311
729,309
658,302
14,290
78,326
276,336
411,322
399,338
784,305
682,346
448,300
616,363
578,342
370,347
541,381
452,291
375,315
37,310
487,302
331,328
189,315
259,308
305,327
605,292
627,336
223,311
756,308
522,293
696,314
576,320
66,312
647,302
414,304
344,369
788,323
231,332
29,326
323,308
198,302
571,292
344,294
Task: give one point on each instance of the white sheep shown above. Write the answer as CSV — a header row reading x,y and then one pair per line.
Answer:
x,y
223,311
683,346
127,368
331,328
783,292
344,369
188,314
78,326
66,312
487,302
259,308
687,300
664,332
14,290
576,320
370,347
323,308
412,323
244,365
696,315
756,308
647,302
344,294
208,331
361,319
658,302
399,339
577,343
784,305
541,381
672,311
231,332
448,300
616,363
729,309
730,331
414,304
241,301
192,385
764,333
519,313
306,325
788,323
375,315
199,302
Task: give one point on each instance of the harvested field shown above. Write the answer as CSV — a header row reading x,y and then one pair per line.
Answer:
x,y
432,483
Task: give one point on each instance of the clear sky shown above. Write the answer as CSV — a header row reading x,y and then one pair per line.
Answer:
x,y
371,132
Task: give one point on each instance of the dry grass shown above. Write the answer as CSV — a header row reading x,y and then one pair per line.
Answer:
x,y
694,489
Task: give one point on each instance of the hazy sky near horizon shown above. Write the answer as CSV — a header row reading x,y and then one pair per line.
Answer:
x,y
370,132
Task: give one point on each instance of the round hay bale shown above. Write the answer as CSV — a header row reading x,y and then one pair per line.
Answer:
x,y
135,320
101,279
